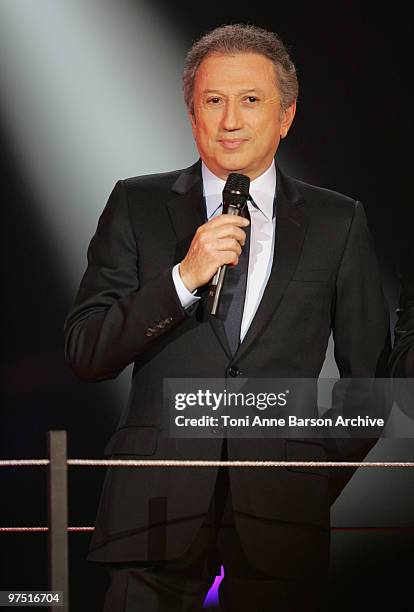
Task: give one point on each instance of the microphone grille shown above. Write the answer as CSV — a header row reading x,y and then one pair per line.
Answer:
x,y
237,184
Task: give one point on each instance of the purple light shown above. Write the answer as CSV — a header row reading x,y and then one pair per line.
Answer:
x,y
211,599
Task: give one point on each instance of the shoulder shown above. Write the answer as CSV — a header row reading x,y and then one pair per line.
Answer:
x,y
321,196
161,180
157,185
148,194
325,207
141,195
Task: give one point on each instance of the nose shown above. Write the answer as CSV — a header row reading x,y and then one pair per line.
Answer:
x,y
232,118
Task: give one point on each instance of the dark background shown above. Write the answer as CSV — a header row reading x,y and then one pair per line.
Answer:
x,y
351,134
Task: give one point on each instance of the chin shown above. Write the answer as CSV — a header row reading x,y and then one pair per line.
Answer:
x,y
233,164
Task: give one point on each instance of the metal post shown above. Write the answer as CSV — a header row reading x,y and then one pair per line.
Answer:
x,y
58,517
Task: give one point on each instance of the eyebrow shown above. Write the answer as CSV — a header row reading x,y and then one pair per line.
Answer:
x,y
244,91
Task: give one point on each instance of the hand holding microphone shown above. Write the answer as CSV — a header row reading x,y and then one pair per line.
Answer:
x,y
218,242
235,195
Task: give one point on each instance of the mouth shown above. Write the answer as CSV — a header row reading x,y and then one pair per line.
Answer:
x,y
228,143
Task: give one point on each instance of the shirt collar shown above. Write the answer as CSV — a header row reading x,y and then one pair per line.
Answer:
x,y
262,190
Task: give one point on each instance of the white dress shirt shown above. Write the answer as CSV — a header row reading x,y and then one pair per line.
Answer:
x,y
262,238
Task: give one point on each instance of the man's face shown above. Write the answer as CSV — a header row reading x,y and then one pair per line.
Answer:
x,y
237,122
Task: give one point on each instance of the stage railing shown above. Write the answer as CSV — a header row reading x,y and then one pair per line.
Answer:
x,y
58,529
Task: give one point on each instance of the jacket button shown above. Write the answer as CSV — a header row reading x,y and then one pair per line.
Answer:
x,y
218,429
234,371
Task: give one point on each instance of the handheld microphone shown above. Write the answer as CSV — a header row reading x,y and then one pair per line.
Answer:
x,y
235,195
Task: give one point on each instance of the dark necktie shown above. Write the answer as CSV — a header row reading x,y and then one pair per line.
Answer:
x,y
234,292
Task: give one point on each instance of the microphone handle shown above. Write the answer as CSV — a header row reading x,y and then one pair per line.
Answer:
x,y
218,279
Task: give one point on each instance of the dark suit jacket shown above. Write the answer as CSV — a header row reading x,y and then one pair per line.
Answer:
x,y
324,277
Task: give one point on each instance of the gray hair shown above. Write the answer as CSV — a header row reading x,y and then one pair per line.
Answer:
x,y
242,38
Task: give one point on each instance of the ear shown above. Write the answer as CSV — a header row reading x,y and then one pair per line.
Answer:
x,y
287,119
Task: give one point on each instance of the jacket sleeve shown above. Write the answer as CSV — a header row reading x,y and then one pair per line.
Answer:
x,y
115,319
361,333
361,315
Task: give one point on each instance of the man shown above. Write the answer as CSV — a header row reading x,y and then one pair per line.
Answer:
x,y
402,356
311,269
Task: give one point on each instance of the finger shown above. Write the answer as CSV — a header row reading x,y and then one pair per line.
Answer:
x,y
227,231
228,244
228,258
228,219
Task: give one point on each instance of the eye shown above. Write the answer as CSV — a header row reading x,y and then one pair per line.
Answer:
x,y
251,99
214,100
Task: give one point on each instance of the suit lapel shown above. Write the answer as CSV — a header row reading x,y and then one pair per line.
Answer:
x,y
291,226
186,208
187,212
